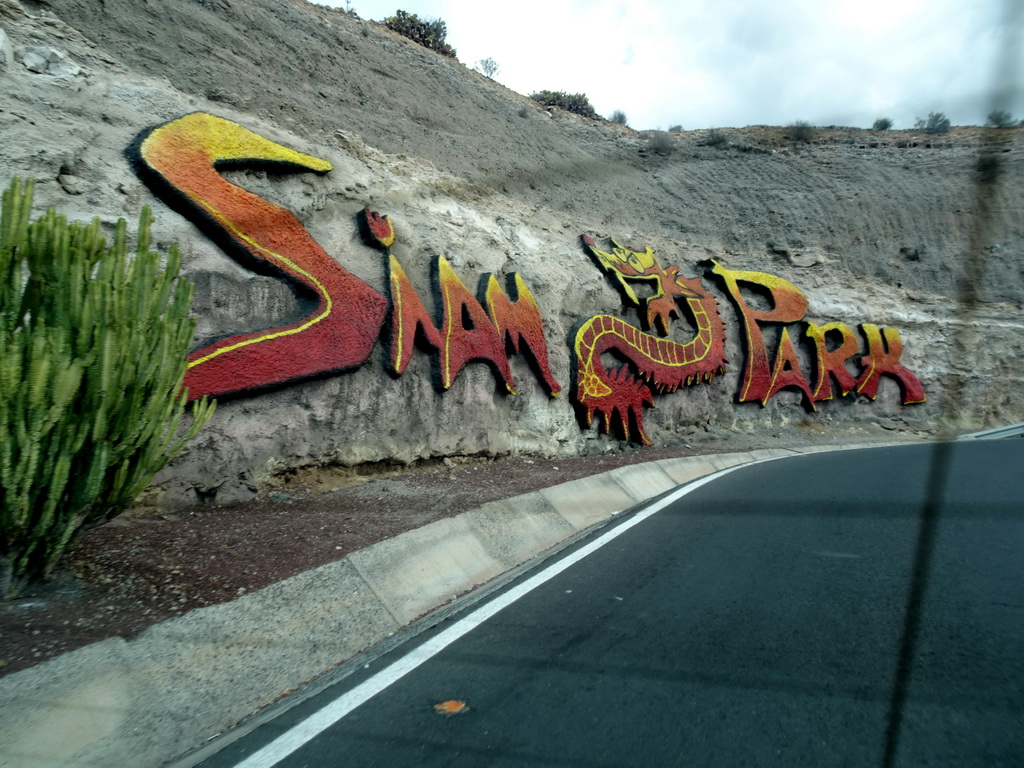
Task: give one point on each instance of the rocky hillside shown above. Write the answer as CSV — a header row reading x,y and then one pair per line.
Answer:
x,y
871,228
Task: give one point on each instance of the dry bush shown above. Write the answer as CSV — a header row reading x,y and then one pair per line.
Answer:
x,y
430,33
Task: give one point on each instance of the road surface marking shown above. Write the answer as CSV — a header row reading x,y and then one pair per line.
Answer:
x,y
301,733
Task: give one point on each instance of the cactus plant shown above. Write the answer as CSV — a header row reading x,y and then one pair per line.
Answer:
x,y
93,347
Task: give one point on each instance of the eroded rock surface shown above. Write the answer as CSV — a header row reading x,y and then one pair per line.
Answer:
x,y
871,231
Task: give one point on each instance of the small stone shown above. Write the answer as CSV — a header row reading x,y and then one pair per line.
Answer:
x,y
71,184
44,60
35,61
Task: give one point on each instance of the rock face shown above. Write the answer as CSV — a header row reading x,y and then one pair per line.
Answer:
x,y
869,231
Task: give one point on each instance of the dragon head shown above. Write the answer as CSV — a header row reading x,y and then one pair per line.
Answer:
x,y
625,265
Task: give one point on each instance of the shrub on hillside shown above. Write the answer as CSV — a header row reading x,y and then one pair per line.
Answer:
x,y
937,123
882,124
93,345
487,67
661,143
571,102
430,33
1000,118
619,117
715,138
675,128
801,132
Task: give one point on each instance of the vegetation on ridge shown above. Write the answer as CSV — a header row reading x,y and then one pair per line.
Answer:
x,y
571,102
430,33
937,123
1000,118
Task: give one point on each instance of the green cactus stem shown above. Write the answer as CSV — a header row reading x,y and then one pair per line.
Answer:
x,y
93,342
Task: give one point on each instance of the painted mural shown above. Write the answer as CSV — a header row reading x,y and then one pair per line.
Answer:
x,y
179,161
344,317
619,396
467,329
763,379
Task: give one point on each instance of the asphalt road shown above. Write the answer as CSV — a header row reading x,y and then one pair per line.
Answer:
x,y
757,621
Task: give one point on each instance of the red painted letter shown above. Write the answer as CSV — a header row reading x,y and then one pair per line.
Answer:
x,y
884,350
832,362
178,160
788,306
519,322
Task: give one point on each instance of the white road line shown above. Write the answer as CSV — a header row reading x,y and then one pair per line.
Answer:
x,y
320,721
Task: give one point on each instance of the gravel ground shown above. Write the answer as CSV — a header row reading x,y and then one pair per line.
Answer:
x,y
142,569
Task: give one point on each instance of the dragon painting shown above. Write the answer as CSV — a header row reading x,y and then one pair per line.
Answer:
x,y
651,362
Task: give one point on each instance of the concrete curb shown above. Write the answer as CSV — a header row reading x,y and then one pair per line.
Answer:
x,y
148,700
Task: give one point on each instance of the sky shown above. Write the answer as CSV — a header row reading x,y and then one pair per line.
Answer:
x,y
732,63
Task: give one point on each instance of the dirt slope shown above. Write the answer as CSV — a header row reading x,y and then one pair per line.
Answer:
x,y
901,215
